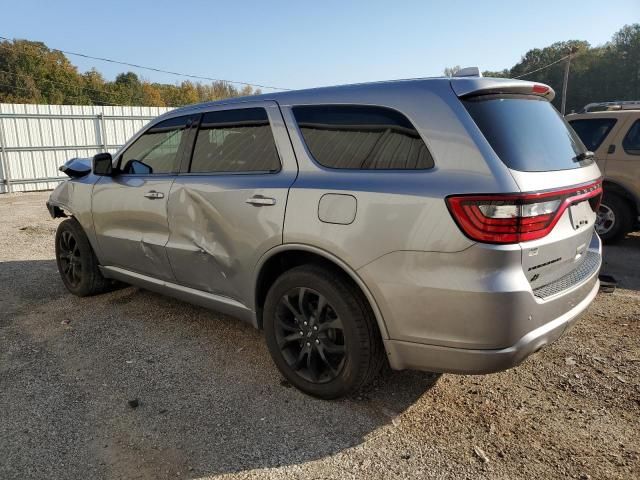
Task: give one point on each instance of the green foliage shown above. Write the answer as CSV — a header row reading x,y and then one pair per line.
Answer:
x,y
597,74
32,73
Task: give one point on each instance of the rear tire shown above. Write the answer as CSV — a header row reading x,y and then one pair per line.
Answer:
x,y
77,263
615,218
321,332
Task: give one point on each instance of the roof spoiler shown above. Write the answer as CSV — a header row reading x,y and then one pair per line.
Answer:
x,y
475,86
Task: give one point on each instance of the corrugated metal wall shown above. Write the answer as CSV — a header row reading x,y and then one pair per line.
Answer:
x,y
36,139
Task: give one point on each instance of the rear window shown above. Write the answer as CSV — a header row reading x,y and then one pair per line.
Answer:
x,y
235,141
362,137
593,131
526,132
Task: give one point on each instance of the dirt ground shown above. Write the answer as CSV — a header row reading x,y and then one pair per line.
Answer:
x,y
212,403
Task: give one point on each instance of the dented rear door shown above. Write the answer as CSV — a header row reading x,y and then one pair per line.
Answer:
x,y
227,207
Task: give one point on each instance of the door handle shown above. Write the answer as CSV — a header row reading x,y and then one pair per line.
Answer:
x,y
611,149
153,194
260,201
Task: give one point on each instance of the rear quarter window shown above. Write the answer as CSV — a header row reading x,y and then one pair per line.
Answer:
x,y
361,137
526,132
593,131
631,142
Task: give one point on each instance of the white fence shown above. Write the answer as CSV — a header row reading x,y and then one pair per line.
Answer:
x,y
36,139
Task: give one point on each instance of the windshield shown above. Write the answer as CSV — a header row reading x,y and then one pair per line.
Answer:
x,y
526,132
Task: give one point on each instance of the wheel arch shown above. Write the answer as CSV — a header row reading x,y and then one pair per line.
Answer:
x,y
625,194
284,257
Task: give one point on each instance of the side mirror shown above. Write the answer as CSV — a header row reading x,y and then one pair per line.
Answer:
x,y
103,164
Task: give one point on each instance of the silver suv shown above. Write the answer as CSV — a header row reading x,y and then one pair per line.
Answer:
x,y
438,224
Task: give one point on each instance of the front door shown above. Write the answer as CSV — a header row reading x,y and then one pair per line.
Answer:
x,y
130,208
227,207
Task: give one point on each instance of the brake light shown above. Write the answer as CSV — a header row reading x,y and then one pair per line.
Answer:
x,y
517,217
537,88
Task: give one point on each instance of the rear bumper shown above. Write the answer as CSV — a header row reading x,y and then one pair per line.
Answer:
x,y
473,311
436,358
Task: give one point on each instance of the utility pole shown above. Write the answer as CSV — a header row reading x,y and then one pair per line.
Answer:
x,y
566,80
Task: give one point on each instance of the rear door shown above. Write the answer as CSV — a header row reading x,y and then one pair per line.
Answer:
x,y
543,155
227,206
597,132
130,208
623,167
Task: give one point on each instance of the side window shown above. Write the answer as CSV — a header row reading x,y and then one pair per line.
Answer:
x,y
593,131
362,137
235,141
631,142
156,151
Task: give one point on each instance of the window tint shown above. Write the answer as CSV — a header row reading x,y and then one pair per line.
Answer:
x,y
526,132
593,131
156,151
361,137
235,141
631,142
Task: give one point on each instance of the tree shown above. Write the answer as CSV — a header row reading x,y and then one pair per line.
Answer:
x,y
32,73
151,96
497,74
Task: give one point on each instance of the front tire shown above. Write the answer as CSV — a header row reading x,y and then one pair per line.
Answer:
x,y
77,263
615,218
321,332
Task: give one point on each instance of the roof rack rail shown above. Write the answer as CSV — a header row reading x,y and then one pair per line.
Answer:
x,y
609,106
468,72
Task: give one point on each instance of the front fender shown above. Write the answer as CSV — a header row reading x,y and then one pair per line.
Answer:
x,y
73,198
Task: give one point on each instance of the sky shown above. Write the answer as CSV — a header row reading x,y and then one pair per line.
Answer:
x,y
300,44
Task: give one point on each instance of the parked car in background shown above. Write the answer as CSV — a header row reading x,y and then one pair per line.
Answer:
x,y
612,131
438,224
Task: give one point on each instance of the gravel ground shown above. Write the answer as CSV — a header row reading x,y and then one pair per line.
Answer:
x,y
211,402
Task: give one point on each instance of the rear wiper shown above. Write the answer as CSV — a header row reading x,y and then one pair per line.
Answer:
x,y
584,156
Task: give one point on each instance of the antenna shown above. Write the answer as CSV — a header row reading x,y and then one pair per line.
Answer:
x,y
468,72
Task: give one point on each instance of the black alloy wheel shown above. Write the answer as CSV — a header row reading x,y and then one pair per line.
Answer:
x,y
77,263
310,335
321,331
69,258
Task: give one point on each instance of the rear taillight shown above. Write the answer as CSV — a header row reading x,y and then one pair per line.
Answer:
x,y
517,217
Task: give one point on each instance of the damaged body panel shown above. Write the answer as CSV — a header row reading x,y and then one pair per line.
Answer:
x,y
131,229
221,225
217,237
73,198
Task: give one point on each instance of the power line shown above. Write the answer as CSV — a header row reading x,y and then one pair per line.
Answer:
x,y
541,68
160,70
